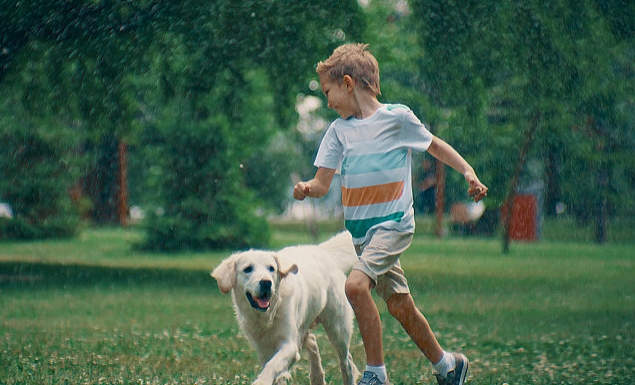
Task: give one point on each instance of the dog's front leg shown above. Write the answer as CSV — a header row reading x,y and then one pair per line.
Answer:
x,y
279,364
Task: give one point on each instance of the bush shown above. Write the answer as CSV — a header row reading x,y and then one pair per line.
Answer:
x,y
204,230
202,200
17,229
40,166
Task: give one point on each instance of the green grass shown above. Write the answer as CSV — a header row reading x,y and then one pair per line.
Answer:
x,y
94,311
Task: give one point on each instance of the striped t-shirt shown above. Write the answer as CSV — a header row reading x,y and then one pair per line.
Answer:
x,y
374,158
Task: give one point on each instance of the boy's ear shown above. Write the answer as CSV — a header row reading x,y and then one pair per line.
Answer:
x,y
349,82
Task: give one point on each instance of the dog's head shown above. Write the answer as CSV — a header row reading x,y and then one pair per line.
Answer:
x,y
255,274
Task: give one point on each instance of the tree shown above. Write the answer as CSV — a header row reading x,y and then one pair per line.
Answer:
x,y
260,54
534,66
38,164
83,52
111,66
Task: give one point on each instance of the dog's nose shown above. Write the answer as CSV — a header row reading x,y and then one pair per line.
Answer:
x,y
265,285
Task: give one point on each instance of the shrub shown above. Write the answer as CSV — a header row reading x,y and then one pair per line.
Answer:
x,y
40,166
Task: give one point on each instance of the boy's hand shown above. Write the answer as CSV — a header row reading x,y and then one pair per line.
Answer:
x,y
316,187
476,189
301,190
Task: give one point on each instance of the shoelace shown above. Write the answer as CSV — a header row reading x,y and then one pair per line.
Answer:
x,y
370,379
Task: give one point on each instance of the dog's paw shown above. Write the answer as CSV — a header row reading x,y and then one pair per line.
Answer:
x,y
280,380
283,379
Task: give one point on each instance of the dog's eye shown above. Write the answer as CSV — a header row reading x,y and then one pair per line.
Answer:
x,y
272,269
248,269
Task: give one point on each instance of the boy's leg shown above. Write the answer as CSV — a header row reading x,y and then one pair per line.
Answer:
x,y
451,367
402,307
358,292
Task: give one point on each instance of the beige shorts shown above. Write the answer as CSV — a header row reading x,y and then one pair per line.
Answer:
x,y
379,260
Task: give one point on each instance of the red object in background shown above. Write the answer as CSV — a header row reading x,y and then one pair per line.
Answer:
x,y
524,222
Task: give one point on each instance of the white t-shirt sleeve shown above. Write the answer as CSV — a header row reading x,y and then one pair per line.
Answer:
x,y
331,152
414,133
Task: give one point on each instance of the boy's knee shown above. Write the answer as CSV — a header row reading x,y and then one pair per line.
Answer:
x,y
357,284
353,289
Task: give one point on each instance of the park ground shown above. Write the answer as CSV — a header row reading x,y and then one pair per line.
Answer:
x,y
95,310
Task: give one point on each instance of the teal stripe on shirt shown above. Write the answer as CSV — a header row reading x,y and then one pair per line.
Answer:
x,y
364,164
358,228
391,107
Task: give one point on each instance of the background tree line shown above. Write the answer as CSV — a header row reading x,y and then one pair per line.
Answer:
x,y
186,107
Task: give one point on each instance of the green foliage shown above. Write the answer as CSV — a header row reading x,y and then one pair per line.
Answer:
x,y
477,72
217,157
114,68
266,153
202,201
39,166
495,69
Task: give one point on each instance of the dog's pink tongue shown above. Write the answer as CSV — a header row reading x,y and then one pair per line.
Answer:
x,y
263,303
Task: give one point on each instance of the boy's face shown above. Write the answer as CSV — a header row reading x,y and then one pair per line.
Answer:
x,y
338,95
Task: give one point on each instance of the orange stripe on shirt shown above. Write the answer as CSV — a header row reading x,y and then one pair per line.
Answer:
x,y
362,196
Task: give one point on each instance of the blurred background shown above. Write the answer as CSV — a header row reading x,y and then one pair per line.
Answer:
x,y
193,119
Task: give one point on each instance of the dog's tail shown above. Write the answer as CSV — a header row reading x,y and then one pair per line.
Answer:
x,y
341,248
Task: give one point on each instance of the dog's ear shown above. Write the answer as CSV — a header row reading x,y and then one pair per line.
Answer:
x,y
225,274
285,270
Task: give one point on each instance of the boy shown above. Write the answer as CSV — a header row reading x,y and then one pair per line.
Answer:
x,y
371,146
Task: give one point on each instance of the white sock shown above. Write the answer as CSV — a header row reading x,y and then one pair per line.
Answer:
x,y
380,371
446,364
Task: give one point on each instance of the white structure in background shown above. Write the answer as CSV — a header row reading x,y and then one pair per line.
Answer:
x,y
328,207
5,211
312,126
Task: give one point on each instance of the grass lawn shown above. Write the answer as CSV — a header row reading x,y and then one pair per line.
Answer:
x,y
94,311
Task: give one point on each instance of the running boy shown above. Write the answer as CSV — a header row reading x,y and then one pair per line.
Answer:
x,y
371,145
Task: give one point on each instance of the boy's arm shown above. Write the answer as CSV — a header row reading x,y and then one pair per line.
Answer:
x,y
316,187
448,155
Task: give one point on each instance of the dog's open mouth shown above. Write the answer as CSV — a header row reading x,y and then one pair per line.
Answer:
x,y
259,303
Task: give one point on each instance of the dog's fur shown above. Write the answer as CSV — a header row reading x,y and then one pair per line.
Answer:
x,y
279,296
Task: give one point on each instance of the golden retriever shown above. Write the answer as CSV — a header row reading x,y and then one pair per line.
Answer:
x,y
280,296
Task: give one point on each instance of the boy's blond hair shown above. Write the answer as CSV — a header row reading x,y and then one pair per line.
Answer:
x,y
355,61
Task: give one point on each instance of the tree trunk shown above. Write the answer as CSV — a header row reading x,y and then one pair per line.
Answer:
x,y
106,183
123,184
520,164
553,195
440,198
601,207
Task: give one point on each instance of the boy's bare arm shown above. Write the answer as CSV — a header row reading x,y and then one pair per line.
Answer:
x,y
316,187
448,155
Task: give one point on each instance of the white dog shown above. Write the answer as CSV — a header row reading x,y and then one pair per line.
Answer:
x,y
279,296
